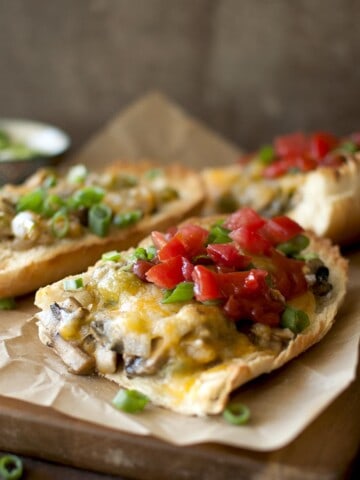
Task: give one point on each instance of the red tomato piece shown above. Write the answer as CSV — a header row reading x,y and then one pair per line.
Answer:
x,y
321,143
227,255
187,269
173,248
243,284
251,241
244,217
158,239
288,275
166,274
260,311
193,237
205,284
279,167
292,144
280,229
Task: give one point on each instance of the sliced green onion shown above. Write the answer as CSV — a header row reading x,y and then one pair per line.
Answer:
x,y
99,219
348,147
112,256
183,292
77,174
140,253
130,401
122,220
219,234
11,467
70,284
236,413
306,257
52,204
32,201
7,303
60,224
50,181
151,252
295,320
294,246
266,154
168,194
126,181
154,173
88,196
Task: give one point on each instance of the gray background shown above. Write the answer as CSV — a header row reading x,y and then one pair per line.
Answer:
x,y
248,68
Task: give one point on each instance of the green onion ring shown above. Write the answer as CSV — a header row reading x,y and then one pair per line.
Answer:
x,y
11,467
60,224
236,413
70,284
112,256
99,218
130,401
122,220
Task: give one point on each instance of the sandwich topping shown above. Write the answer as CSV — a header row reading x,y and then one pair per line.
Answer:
x,y
190,300
272,175
50,206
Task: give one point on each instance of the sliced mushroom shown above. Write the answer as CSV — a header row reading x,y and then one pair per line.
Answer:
x,y
75,359
135,365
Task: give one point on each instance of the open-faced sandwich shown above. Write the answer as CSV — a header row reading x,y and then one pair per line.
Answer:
x,y
55,224
193,313
314,179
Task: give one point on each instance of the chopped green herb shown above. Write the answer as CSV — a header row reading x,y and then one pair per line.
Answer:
x,y
236,413
70,284
294,246
219,234
112,256
122,220
130,401
32,201
60,224
88,196
266,154
183,292
7,303
99,219
295,320
11,467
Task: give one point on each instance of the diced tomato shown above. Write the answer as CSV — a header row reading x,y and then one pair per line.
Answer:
x,y
321,143
166,274
291,144
287,275
193,238
173,248
251,241
140,268
227,255
243,283
280,229
244,217
205,284
158,239
278,168
264,310
187,269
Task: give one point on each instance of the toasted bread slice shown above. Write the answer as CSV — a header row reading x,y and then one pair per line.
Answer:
x,y
325,200
162,195
185,356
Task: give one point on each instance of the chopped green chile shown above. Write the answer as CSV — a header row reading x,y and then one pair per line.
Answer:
x,y
130,401
60,224
219,234
236,413
11,467
71,284
294,246
295,320
112,256
266,154
99,219
123,220
88,196
32,201
183,292
7,303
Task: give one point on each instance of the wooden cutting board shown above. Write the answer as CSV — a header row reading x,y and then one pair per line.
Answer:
x,y
325,450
